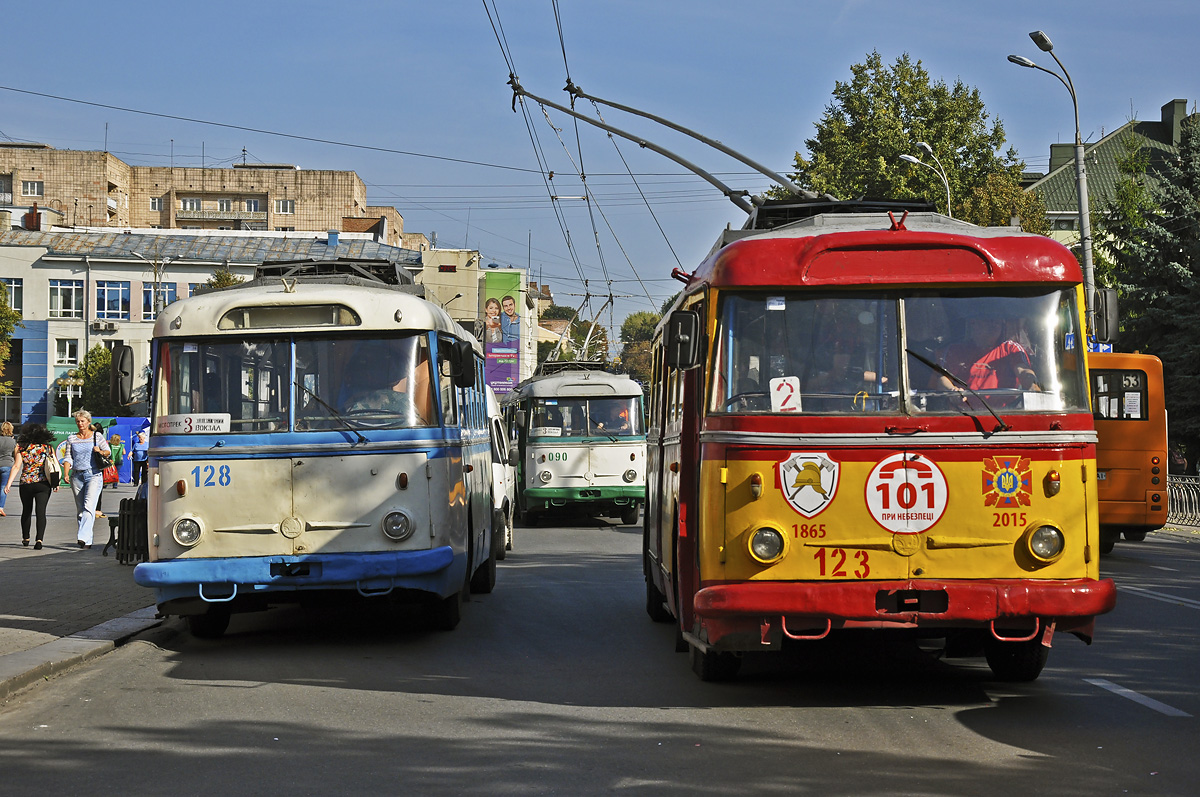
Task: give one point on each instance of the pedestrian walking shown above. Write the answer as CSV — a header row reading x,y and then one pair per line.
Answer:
x,y
34,445
8,450
118,457
98,429
141,456
89,452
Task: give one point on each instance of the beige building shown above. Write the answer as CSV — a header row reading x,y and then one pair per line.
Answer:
x,y
98,189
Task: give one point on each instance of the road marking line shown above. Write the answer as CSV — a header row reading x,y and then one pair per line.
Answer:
x,y
1162,596
1136,697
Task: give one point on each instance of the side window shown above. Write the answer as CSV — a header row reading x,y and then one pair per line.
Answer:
x,y
446,390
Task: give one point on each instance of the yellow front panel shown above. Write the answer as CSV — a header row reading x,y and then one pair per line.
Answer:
x,y
982,507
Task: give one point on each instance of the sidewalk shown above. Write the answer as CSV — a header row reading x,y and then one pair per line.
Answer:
x,y
63,605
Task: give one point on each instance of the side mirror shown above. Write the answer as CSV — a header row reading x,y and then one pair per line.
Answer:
x,y
682,339
514,457
120,376
1107,316
462,363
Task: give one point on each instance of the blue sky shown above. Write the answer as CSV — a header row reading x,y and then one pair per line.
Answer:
x,y
429,78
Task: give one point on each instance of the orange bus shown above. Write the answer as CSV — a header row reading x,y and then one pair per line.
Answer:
x,y
866,421
1130,413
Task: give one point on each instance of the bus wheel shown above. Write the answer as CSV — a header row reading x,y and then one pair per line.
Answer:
x,y
656,603
1108,539
504,536
629,515
210,625
715,666
1134,535
447,613
1016,661
484,579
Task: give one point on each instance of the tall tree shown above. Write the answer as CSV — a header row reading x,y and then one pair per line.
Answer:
x,y
880,114
637,330
1152,234
1001,197
10,319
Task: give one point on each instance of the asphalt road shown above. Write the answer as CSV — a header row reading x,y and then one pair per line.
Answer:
x,y
558,683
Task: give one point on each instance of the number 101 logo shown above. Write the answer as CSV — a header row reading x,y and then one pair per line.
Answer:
x,y
906,493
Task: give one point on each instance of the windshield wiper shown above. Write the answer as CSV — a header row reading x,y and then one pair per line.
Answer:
x,y
600,428
1001,426
341,418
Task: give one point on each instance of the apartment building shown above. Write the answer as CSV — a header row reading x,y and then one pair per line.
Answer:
x,y
97,189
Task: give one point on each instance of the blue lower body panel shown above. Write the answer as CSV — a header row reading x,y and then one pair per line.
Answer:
x,y
438,571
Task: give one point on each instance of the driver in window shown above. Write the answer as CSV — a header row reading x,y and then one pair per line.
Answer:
x,y
991,358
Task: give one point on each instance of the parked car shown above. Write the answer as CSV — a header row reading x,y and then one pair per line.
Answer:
x,y
504,478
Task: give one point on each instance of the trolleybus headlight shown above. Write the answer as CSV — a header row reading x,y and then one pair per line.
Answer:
x,y
767,545
1046,543
630,475
545,476
186,532
397,526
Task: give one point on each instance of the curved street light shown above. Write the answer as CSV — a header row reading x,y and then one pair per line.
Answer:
x,y
1085,225
939,171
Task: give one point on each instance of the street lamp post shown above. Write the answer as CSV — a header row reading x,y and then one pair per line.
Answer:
x,y
1085,224
158,266
939,171
70,381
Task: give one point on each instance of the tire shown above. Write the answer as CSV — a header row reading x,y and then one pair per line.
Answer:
x,y
210,625
1108,539
484,579
1134,535
629,516
715,667
656,603
1016,661
505,535
447,613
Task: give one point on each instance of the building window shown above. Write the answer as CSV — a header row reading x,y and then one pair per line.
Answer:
x,y
190,227
156,203
16,292
191,203
225,205
251,205
285,229
224,227
32,188
66,298
112,300
66,351
285,206
195,286
166,295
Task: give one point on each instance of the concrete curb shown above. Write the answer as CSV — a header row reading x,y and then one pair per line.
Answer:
x,y
23,668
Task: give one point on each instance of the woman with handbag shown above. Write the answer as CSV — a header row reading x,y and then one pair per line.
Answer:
x,y
8,449
90,455
33,457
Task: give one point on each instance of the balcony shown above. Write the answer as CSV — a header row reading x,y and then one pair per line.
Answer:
x,y
220,215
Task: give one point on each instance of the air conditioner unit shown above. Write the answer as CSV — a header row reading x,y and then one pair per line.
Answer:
x,y
97,326
110,326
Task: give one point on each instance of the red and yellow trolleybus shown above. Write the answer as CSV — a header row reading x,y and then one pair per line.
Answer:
x,y
868,420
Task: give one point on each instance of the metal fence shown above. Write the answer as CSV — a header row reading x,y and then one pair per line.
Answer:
x,y
1184,495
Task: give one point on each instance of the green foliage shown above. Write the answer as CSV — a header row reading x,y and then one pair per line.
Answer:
x,y
10,319
1001,197
639,326
556,312
1152,242
881,114
223,278
95,369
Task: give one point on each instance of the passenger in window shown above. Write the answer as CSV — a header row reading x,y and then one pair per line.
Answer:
x,y
850,352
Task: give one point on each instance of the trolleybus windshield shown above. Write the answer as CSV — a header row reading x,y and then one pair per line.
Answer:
x,y
338,382
841,353
586,417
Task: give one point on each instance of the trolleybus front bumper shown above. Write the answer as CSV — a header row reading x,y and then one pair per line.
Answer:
x,y
436,571
744,608
558,497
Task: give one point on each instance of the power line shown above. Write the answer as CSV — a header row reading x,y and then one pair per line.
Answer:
x,y
265,132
